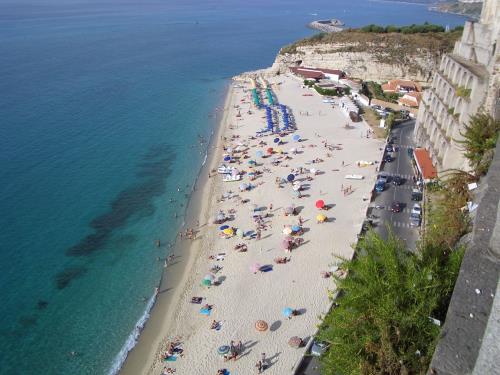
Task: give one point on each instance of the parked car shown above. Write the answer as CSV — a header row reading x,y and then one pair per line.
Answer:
x,y
415,220
318,348
380,185
410,151
416,209
396,207
389,148
388,158
416,195
385,177
397,181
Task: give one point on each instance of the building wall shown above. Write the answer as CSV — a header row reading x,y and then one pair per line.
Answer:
x,y
466,82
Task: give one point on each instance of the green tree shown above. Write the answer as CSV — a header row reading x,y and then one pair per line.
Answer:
x,y
480,136
381,324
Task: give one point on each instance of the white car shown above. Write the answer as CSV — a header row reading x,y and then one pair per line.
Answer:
x,y
416,209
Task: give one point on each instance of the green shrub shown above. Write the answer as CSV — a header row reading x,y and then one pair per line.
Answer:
x,y
381,324
463,92
480,136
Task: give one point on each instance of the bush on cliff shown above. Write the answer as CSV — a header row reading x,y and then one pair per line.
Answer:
x,y
382,322
480,136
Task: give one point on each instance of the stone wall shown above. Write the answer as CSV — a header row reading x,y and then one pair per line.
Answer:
x,y
469,340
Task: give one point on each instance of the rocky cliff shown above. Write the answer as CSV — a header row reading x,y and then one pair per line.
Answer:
x,y
370,56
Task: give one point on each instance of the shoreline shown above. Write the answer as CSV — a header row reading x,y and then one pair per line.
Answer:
x,y
173,282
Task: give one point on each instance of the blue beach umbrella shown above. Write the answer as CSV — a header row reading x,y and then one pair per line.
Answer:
x,y
296,137
277,140
224,349
295,228
287,312
222,227
259,153
252,162
290,177
227,158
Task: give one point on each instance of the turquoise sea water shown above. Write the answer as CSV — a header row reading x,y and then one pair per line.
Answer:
x,y
101,107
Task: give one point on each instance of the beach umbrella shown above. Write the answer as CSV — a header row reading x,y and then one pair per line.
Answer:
x,y
296,187
229,150
320,203
287,230
296,193
296,138
261,325
228,231
252,162
279,151
224,349
295,342
289,210
206,282
313,170
287,312
255,267
259,154
243,187
295,228
240,232
276,140
290,177
269,150
293,150
222,227
209,277
227,158
321,218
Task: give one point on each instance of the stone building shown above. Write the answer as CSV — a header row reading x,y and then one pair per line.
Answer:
x,y
468,80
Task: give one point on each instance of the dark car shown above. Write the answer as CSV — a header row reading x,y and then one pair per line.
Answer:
x,y
410,151
396,207
389,148
396,180
416,195
388,158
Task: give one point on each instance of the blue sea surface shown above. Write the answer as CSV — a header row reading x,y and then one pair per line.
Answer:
x,y
102,106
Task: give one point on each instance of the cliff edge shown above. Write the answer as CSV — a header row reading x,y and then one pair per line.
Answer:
x,y
370,56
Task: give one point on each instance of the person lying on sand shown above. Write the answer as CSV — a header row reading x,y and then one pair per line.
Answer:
x,y
196,299
214,324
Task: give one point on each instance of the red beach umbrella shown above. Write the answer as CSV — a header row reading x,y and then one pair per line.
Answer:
x,y
270,150
320,203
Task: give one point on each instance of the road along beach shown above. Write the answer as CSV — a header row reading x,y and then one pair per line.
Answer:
x,y
253,270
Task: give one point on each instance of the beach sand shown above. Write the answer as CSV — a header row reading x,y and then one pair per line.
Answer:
x,y
243,297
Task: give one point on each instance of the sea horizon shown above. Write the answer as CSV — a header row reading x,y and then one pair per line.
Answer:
x,y
107,110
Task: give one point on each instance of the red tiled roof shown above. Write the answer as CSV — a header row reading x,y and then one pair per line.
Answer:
x,y
411,99
395,84
424,164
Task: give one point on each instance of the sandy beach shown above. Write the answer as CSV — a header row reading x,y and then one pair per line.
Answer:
x,y
251,285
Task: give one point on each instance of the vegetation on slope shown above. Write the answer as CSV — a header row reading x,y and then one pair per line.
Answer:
x,y
382,322
356,40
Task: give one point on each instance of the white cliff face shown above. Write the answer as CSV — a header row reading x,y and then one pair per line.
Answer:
x,y
376,63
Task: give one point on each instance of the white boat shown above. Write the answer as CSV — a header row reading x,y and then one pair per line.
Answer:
x,y
231,178
224,169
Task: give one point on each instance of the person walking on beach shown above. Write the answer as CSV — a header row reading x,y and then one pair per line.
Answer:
x,y
259,367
